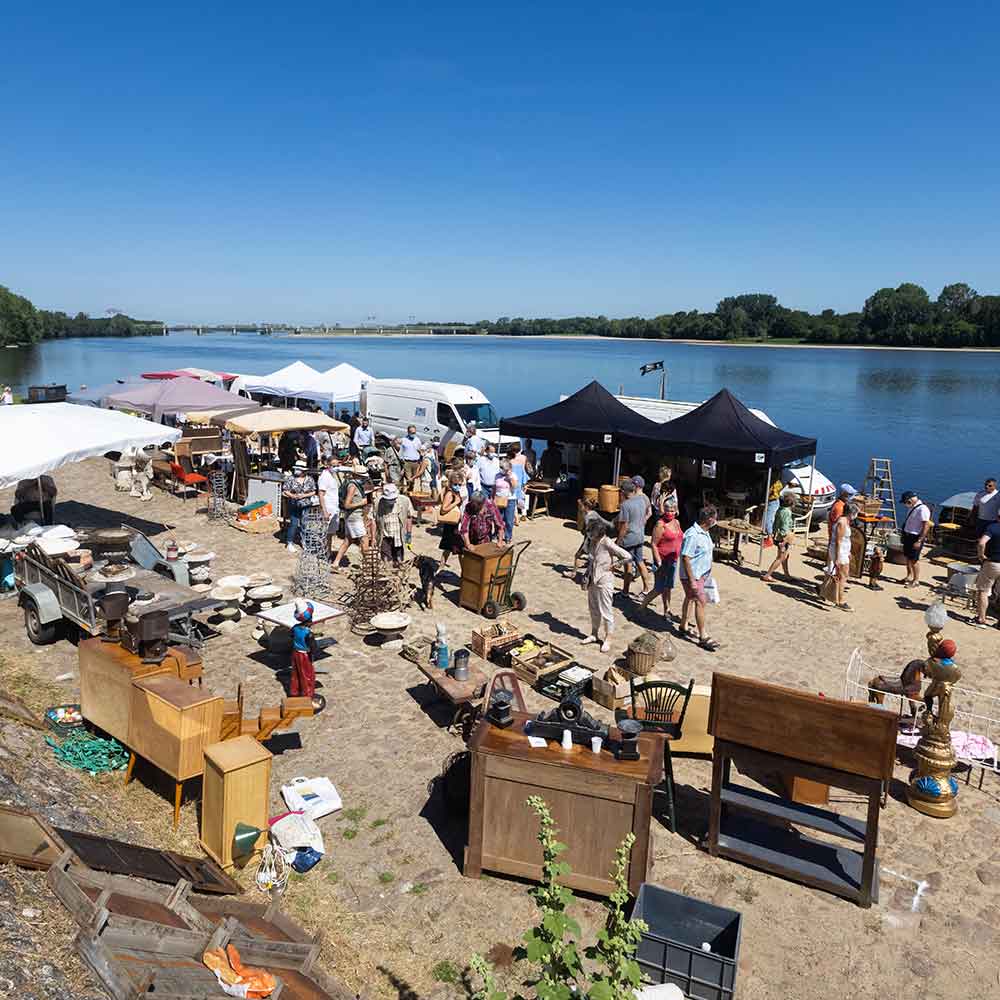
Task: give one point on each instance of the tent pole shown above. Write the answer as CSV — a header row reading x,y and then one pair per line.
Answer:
x,y
767,498
617,466
812,469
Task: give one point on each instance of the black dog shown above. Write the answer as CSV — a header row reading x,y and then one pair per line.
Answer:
x,y
427,568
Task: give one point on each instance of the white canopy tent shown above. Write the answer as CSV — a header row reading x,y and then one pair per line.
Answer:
x,y
297,380
344,382
40,437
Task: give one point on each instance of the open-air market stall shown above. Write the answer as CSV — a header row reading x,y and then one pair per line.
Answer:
x,y
590,417
169,397
96,395
262,425
299,381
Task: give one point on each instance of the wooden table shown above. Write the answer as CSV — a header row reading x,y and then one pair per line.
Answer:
x,y
595,801
737,528
464,695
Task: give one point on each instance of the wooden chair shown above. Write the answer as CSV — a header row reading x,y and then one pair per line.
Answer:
x,y
541,505
186,479
659,707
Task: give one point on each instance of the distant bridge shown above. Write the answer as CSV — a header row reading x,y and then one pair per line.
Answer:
x,y
290,329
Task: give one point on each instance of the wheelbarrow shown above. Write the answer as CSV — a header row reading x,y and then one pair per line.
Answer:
x,y
500,597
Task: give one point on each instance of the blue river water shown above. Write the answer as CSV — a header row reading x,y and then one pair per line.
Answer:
x,y
932,412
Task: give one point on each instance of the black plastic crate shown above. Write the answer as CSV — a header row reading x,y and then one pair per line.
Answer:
x,y
671,950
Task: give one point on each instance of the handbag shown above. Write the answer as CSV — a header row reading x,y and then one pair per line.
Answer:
x,y
452,516
712,590
500,502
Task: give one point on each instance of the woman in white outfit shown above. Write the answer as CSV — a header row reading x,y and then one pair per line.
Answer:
x,y
599,581
839,552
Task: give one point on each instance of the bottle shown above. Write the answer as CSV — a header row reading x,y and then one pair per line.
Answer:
x,y
443,656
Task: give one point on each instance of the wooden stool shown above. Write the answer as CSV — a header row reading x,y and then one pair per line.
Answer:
x,y
541,498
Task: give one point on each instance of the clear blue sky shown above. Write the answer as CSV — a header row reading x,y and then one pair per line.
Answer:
x,y
329,161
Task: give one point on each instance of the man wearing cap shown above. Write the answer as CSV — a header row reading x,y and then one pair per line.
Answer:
x,y
989,571
845,494
410,452
916,524
394,518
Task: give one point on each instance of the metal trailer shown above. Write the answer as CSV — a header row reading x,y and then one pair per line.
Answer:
x,y
52,595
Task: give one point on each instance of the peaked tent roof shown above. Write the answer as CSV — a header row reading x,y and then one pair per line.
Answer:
x,y
176,395
590,416
297,380
724,429
343,382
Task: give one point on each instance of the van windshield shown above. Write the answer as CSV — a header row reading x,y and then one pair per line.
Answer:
x,y
483,414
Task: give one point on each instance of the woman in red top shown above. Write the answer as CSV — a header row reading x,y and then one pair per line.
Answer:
x,y
666,541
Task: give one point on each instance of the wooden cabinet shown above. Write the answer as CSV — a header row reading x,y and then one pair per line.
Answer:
x,y
171,724
107,671
478,565
595,801
235,789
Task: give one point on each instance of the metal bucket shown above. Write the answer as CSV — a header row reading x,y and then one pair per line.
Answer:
x,y
460,665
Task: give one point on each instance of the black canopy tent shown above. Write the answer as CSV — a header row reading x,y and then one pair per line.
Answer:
x,y
590,416
723,428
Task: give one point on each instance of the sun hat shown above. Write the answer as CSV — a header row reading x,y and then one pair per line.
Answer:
x,y
390,491
848,489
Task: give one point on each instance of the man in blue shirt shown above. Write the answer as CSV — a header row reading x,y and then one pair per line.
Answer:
x,y
696,568
473,443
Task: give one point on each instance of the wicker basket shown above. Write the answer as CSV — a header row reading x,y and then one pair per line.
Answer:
x,y
641,661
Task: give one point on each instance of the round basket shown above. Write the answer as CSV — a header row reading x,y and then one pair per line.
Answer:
x,y
639,662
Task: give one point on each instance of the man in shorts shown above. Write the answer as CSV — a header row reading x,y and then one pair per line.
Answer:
x,y
916,525
329,497
989,572
986,506
696,567
632,534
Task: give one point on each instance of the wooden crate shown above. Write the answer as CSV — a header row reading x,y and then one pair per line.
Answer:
x,y
107,671
171,724
528,668
483,643
235,789
478,565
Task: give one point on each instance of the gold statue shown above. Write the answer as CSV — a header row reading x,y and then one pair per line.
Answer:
x,y
932,789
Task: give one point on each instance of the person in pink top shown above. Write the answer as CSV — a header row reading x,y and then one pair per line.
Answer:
x,y
666,543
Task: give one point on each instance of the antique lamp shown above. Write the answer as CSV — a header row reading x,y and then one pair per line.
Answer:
x,y
936,617
933,789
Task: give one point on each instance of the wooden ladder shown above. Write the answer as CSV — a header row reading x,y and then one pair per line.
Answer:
x,y
878,485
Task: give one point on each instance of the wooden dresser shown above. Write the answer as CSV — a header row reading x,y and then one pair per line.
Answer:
x,y
595,801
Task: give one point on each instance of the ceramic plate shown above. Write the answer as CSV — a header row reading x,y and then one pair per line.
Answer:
x,y
242,582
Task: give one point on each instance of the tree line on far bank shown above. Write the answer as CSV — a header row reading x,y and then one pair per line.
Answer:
x,y
22,323
897,317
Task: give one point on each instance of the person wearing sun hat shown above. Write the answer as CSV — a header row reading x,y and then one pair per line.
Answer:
x,y
394,521
302,683
845,494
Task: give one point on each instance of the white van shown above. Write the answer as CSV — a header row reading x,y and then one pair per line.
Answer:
x,y
443,408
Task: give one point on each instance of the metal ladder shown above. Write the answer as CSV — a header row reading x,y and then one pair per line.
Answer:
x,y
878,485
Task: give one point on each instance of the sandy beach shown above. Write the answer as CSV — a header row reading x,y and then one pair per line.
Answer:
x,y
390,896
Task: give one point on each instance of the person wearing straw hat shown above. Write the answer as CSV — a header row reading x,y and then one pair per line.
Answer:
x,y
352,508
394,519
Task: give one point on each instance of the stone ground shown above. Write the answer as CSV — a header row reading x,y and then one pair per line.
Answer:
x,y
399,917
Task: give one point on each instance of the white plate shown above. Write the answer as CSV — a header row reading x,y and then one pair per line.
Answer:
x,y
199,557
266,593
234,581
58,546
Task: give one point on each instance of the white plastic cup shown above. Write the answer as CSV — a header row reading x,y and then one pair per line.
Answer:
x,y
567,740
595,743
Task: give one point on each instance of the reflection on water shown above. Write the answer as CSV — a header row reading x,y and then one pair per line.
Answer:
x,y
889,380
743,374
922,409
